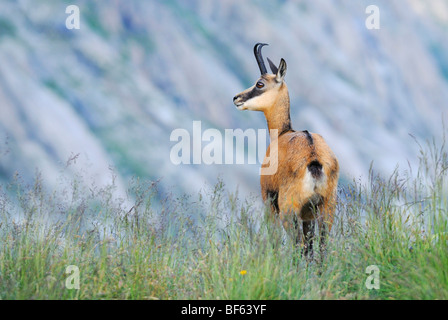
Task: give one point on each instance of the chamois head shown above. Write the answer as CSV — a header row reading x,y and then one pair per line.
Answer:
x,y
264,94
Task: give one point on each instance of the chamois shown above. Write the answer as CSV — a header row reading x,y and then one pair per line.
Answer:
x,y
304,186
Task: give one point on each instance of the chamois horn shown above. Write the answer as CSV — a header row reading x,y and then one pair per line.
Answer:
x,y
259,57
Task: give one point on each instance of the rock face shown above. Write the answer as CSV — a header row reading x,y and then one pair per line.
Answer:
x,y
114,90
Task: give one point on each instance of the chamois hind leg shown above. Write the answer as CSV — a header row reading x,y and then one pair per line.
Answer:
x,y
289,211
325,222
296,232
308,236
303,234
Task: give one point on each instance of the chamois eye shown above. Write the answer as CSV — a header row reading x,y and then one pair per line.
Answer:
x,y
260,84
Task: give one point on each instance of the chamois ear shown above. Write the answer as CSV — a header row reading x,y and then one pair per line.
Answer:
x,y
274,69
281,70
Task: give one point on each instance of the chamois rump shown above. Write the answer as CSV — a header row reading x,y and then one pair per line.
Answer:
x,y
304,186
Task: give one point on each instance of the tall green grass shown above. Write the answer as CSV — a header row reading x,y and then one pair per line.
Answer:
x,y
215,245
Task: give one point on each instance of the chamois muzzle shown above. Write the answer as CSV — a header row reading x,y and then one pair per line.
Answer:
x,y
259,57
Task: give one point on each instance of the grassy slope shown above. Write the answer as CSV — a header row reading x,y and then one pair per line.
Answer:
x,y
235,251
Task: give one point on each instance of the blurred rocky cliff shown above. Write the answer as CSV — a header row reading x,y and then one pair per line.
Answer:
x,y
111,93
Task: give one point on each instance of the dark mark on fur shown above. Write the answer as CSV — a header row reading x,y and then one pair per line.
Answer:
x,y
309,137
253,93
273,197
315,169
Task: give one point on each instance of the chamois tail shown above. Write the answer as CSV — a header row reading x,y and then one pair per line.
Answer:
x,y
315,168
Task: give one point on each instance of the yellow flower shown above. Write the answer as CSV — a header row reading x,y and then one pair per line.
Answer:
x,y
243,272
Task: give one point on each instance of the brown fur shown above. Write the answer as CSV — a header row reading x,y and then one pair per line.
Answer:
x,y
288,190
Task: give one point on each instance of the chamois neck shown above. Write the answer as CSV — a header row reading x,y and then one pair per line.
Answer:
x,y
278,116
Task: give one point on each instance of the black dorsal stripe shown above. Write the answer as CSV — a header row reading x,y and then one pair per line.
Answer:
x,y
309,137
